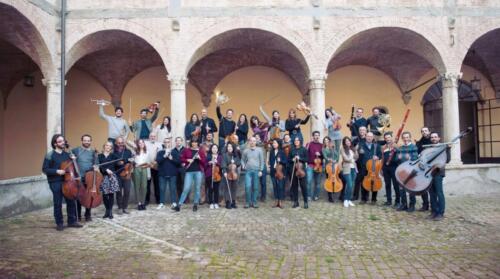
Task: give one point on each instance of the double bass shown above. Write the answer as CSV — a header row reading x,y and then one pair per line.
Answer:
x,y
90,196
416,176
333,184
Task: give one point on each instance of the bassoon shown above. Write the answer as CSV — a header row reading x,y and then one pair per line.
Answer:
x,y
352,117
393,150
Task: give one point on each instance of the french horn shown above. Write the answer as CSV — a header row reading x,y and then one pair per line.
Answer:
x,y
221,98
384,120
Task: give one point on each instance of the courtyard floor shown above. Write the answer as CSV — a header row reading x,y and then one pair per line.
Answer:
x,y
324,241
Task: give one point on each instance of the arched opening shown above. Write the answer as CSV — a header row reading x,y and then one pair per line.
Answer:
x,y
100,66
265,64
23,96
381,67
483,61
432,104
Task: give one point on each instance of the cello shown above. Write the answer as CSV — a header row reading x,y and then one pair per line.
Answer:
x,y
72,179
333,184
90,196
372,182
416,176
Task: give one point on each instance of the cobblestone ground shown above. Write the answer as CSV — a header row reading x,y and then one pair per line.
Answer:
x,y
324,241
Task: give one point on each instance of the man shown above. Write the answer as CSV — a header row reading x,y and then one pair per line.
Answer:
x,y
263,179
176,154
226,125
208,140
252,162
370,149
55,177
86,157
357,122
208,125
436,189
358,142
153,146
373,123
425,139
407,152
117,126
144,126
122,196
314,150
389,170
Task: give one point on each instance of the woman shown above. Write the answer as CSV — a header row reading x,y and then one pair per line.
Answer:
x,y
230,158
349,157
110,184
298,155
242,129
332,123
330,154
193,160
163,130
277,159
167,173
277,126
141,160
259,128
292,125
213,159
193,128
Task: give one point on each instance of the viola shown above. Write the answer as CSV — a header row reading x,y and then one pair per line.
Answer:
x,y
372,182
333,184
90,196
232,172
416,176
72,179
318,164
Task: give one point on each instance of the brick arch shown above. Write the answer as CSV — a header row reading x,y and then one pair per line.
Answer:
x,y
434,40
202,38
79,39
39,47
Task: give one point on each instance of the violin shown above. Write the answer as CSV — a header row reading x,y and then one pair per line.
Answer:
x,y
197,132
318,164
153,107
416,176
372,182
279,172
276,132
90,196
333,184
72,179
216,176
126,173
232,172
299,169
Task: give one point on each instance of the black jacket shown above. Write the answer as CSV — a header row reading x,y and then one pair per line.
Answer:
x,y
166,167
51,163
226,127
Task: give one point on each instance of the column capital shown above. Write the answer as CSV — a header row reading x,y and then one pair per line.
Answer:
x,y
317,81
51,82
177,82
450,79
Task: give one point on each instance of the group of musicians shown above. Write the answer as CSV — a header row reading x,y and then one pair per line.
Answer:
x,y
273,146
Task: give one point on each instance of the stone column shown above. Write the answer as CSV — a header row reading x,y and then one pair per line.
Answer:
x,y
178,104
317,102
451,116
53,108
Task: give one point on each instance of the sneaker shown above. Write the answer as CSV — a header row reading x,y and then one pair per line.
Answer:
x,y
255,206
212,206
316,198
295,205
246,206
216,206
438,217
387,203
125,211
306,205
346,203
402,207
431,216
351,203
160,206
423,208
309,198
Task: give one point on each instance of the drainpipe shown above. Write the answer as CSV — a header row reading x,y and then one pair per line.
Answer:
x,y
63,60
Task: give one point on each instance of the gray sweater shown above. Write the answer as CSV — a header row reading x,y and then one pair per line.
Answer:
x,y
116,126
253,159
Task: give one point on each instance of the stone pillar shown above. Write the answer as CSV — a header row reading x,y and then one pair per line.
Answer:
x,y
178,104
317,102
451,116
53,108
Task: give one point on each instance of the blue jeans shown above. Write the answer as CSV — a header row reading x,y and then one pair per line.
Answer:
x,y
437,195
172,185
251,178
349,184
313,182
279,188
263,184
57,198
192,176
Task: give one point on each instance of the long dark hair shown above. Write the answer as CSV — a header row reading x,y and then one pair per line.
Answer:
x,y
275,120
246,119
252,119
197,123
138,148
168,125
344,145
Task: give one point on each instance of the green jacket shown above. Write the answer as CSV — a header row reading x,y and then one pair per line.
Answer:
x,y
137,125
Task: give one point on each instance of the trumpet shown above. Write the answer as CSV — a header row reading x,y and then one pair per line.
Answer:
x,y
100,102
221,98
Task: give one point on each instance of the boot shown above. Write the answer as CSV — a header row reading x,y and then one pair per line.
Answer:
x,y
295,204
110,214
233,204
106,215
195,207
306,205
411,208
228,205
330,197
